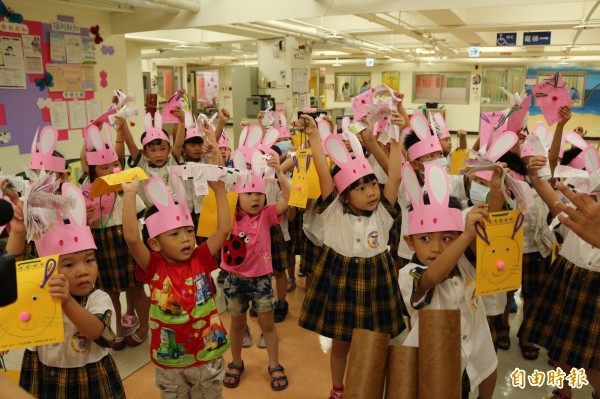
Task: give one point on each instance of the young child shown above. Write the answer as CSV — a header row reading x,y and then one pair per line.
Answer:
x,y
354,283
188,339
81,366
247,257
117,267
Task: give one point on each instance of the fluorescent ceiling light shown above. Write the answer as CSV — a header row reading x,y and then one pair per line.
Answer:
x,y
586,26
336,63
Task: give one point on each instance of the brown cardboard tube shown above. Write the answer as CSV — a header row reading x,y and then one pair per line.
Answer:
x,y
439,354
367,361
402,372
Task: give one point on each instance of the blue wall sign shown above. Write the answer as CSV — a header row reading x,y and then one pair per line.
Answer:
x,y
506,39
536,38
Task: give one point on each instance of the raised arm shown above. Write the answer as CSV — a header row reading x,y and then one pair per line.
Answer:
x,y
392,184
136,246
565,115
318,155
370,143
282,205
120,141
462,139
218,237
179,135
543,188
16,238
221,121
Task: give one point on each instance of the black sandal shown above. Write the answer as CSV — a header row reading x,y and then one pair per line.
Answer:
x,y
504,341
235,376
275,380
529,352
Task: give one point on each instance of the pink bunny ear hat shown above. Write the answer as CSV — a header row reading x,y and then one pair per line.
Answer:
x,y
428,141
587,158
99,148
437,215
41,155
256,183
154,129
350,169
500,144
284,132
223,141
191,127
438,124
170,215
68,238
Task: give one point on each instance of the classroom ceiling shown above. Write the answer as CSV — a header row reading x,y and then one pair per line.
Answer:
x,y
348,31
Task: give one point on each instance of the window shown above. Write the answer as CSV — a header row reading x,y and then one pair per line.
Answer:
x,y
512,79
574,80
447,87
348,85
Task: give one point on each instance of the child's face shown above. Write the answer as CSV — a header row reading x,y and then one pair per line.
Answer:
x,y
365,197
483,182
193,150
446,145
80,269
225,153
418,164
105,170
429,246
251,203
175,245
158,155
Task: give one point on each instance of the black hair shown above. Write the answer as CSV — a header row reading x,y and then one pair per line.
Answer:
x,y
57,154
194,140
155,141
570,155
514,163
453,202
277,150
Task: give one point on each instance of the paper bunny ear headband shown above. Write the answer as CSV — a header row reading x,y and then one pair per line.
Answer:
x,y
68,238
428,141
99,148
169,215
154,129
438,124
256,183
223,141
41,153
192,129
437,215
350,169
498,145
587,158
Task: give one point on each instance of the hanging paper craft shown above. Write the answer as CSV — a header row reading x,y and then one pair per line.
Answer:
x,y
517,115
457,161
492,123
551,94
208,217
95,30
300,185
201,174
178,99
500,253
35,318
111,183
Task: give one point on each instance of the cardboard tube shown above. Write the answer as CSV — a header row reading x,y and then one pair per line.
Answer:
x,y
367,361
402,372
440,374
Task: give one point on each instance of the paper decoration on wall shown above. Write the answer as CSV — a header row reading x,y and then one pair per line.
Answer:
x,y
107,50
179,98
44,103
47,81
551,94
103,78
111,183
10,14
35,318
95,30
499,253
208,217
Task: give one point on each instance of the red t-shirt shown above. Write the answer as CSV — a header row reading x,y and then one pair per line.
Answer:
x,y
185,324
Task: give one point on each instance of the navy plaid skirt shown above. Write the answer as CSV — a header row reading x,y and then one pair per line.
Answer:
x,y
116,266
296,234
534,274
309,256
279,252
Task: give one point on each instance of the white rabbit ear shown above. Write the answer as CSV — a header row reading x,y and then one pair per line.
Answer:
x,y
148,121
108,139
77,214
282,120
35,140
178,188
590,158
270,137
238,159
572,138
158,120
48,138
438,185
189,119
540,130
243,137
420,126
257,164
93,138
412,185
324,129
356,146
345,123
157,192
501,145
255,135
439,120
335,147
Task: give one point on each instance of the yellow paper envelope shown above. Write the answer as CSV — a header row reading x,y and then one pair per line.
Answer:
x,y
500,253
208,217
457,161
35,318
312,177
111,183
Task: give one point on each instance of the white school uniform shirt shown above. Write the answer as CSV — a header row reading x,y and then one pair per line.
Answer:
x,y
478,356
77,350
356,236
312,225
579,252
274,194
161,172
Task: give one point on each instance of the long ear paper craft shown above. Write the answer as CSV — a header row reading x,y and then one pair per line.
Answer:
x,y
325,129
500,145
256,183
361,104
551,94
170,215
179,98
284,131
303,180
99,145
253,139
437,215
41,152
517,115
438,124
191,127
35,318
491,124
154,129
499,253
428,141
350,169
587,158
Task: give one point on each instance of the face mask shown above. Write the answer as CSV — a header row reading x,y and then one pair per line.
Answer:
x,y
443,162
284,146
479,193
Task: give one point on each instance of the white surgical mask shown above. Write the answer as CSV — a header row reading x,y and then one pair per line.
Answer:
x,y
284,146
443,162
479,193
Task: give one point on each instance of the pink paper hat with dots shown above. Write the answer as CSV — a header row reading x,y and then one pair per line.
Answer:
x,y
256,183
428,141
68,238
223,141
41,153
437,215
99,148
170,215
498,145
351,169
154,129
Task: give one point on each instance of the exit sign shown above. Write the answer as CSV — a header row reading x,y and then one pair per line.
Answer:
x,y
369,62
474,51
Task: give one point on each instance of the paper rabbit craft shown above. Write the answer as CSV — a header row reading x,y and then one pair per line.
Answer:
x,y
154,129
103,205
170,215
256,183
361,104
282,125
99,148
120,109
351,169
41,152
498,145
517,116
178,99
254,141
491,123
201,174
428,141
438,124
192,128
587,158
551,94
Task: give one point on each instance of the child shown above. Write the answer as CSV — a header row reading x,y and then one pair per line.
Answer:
x,y
247,258
354,283
441,277
117,267
81,366
188,339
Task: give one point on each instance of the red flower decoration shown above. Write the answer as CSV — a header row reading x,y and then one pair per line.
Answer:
x,y
95,30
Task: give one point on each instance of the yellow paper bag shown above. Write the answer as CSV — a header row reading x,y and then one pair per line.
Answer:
x,y
457,161
298,139
35,318
108,184
500,253
208,217
299,189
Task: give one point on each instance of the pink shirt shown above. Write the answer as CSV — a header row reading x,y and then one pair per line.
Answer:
x,y
248,251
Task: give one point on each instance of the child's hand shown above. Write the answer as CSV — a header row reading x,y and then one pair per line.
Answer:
x,y
119,122
207,128
244,124
462,133
298,125
478,214
398,120
274,163
216,185
17,224
495,183
89,210
131,187
565,115
212,153
59,287
579,130
224,115
179,113
536,163
309,125
260,116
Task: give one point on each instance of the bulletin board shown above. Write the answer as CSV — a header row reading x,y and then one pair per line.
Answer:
x,y
64,50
